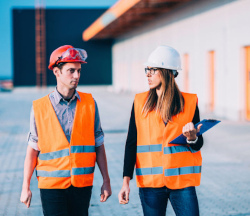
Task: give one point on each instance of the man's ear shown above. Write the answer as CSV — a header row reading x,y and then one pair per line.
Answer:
x,y
56,71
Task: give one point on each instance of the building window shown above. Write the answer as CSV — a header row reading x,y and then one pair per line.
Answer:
x,y
211,59
186,73
247,71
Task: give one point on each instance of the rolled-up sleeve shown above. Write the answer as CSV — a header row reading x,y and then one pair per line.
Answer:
x,y
32,135
99,135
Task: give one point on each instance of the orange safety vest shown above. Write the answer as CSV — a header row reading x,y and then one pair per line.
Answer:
x,y
61,163
159,163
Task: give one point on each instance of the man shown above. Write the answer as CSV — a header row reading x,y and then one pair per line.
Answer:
x,y
65,141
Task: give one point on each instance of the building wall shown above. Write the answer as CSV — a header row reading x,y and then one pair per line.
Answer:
x,y
194,29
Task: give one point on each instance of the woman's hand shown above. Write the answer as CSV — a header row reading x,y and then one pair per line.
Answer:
x,y
26,196
190,132
123,196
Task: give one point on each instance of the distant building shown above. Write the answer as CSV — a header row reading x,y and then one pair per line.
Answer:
x,y
212,36
18,25
27,68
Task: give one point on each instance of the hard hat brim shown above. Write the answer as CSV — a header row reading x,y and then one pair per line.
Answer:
x,y
69,61
151,64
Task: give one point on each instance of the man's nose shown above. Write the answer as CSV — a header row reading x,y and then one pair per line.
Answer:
x,y
76,75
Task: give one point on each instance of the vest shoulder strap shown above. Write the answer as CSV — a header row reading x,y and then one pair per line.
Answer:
x,y
41,102
85,96
189,96
140,99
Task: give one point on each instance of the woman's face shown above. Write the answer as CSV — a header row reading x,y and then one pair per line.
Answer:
x,y
154,78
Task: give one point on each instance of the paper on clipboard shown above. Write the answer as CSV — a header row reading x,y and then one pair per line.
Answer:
x,y
206,125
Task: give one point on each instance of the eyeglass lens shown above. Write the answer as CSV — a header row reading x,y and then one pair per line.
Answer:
x,y
151,70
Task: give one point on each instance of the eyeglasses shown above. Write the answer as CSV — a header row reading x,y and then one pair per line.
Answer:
x,y
152,71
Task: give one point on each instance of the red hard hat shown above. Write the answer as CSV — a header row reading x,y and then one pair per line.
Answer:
x,y
67,53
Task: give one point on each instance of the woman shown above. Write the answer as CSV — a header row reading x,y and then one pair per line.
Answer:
x,y
164,171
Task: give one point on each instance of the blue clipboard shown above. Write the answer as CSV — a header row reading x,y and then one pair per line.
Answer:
x,y
206,125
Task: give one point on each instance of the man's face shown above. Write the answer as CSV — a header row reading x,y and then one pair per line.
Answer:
x,y
69,75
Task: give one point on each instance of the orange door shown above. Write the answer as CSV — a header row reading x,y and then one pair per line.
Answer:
x,y
211,76
186,73
247,82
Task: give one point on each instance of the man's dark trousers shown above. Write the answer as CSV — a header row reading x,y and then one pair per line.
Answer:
x,y
71,201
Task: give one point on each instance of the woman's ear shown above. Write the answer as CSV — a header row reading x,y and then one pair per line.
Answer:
x,y
175,73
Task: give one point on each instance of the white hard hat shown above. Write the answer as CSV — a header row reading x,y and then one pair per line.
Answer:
x,y
164,57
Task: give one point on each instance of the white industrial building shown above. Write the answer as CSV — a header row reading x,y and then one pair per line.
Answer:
x,y
212,37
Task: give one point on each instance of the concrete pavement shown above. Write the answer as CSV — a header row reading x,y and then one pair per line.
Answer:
x,y
224,189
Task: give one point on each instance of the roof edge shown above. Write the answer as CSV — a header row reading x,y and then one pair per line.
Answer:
x,y
108,17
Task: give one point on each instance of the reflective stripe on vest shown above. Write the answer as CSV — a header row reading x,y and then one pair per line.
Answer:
x,y
178,149
149,171
182,171
57,173
54,155
66,173
81,149
83,170
149,148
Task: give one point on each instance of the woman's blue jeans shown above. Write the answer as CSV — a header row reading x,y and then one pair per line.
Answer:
x,y
154,201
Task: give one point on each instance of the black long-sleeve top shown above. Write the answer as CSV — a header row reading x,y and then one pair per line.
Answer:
x,y
131,143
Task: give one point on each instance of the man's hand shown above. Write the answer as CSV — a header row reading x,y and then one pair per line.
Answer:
x,y
102,163
105,191
190,132
29,166
26,196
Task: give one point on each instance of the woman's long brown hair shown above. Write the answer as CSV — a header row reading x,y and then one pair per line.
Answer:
x,y
170,102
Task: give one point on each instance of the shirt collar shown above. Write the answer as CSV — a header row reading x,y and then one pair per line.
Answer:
x,y
58,97
77,95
